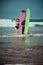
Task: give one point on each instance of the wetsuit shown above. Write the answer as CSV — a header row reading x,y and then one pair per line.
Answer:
x,y
23,23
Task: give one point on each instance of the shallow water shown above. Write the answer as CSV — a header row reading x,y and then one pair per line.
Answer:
x,y
21,50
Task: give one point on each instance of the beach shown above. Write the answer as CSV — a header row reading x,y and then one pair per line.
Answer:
x,y
21,49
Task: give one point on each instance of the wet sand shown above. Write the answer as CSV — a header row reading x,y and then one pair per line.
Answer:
x,y
14,52
32,54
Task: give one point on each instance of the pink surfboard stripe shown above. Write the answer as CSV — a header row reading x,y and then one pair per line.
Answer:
x,y
22,16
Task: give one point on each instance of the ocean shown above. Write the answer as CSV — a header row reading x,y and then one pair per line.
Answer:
x,y
18,50
7,31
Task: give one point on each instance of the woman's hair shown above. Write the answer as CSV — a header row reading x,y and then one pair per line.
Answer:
x,y
17,19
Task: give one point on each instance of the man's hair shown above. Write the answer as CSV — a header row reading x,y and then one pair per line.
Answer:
x,y
23,11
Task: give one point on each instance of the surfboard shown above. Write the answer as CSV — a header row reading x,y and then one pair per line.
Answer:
x,y
22,16
27,21
27,24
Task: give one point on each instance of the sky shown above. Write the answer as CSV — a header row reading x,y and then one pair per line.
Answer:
x,y
10,9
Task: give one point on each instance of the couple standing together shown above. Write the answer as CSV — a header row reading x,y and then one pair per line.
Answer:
x,y
17,24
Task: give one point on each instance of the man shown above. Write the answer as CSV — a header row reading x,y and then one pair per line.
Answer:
x,y
23,22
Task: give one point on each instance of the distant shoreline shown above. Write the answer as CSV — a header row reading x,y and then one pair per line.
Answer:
x,y
36,20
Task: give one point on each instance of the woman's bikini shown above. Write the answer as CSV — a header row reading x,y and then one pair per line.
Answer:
x,y
17,26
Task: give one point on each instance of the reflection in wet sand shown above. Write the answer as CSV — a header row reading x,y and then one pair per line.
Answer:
x,y
25,64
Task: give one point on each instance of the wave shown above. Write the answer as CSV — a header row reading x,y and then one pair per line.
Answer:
x,y
10,23
22,35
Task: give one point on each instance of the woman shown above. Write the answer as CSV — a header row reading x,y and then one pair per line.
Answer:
x,y
17,26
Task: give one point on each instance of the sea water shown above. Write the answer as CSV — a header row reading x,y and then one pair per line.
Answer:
x,y
11,51
6,31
